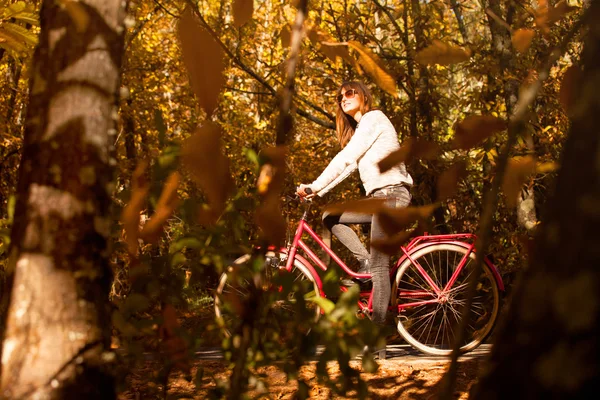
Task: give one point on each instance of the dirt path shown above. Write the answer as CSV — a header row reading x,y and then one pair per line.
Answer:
x,y
406,374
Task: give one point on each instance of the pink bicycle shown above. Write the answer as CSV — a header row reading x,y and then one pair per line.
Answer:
x,y
429,284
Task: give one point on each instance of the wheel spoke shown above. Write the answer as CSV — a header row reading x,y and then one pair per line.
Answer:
x,y
431,327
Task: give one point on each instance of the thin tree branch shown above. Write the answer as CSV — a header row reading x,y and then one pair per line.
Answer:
x,y
310,117
459,19
10,154
237,61
246,91
404,37
393,21
285,124
515,127
139,28
496,18
165,9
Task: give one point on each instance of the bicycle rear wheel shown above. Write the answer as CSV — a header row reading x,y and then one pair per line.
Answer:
x,y
429,322
233,299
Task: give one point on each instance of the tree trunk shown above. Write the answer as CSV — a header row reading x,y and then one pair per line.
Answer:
x,y
57,338
550,340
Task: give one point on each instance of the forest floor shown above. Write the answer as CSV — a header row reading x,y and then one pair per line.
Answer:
x,y
405,374
395,379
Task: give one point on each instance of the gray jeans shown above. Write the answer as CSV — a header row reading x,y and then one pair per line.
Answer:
x,y
397,196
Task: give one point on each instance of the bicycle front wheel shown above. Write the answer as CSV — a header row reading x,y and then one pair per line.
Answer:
x,y
429,321
233,294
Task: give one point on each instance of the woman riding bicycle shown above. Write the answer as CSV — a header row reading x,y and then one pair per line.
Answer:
x,y
366,136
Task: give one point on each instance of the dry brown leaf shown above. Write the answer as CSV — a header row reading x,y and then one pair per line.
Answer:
x,y
333,51
366,206
286,37
78,14
374,67
547,15
442,53
411,149
166,205
517,172
521,39
270,219
568,88
202,155
203,59
546,167
130,217
448,182
270,183
272,173
391,245
393,220
267,172
474,129
242,11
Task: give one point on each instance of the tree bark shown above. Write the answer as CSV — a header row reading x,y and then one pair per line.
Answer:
x,y
57,338
550,340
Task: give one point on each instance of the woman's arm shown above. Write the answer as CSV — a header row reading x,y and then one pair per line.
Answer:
x,y
346,161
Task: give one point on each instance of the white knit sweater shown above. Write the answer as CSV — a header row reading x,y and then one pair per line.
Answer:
x,y
373,139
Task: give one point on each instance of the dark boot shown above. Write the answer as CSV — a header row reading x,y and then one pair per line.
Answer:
x,y
363,269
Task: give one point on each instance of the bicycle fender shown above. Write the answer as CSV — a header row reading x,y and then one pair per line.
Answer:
x,y
464,245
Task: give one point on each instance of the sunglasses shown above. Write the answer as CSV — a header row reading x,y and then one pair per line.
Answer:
x,y
349,94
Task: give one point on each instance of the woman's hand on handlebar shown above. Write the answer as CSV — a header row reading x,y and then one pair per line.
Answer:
x,y
304,191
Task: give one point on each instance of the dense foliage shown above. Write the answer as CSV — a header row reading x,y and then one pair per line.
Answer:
x,y
434,67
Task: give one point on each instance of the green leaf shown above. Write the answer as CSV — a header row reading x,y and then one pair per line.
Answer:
x,y
326,305
20,32
12,202
11,42
186,242
122,325
251,156
136,302
29,18
178,259
198,377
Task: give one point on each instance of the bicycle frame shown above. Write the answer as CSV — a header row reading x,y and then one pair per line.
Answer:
x,y
415,244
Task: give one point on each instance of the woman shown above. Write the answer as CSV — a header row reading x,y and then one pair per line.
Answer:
x,y
366,137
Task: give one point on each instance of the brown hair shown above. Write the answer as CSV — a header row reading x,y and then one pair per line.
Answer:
x,y
345,125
